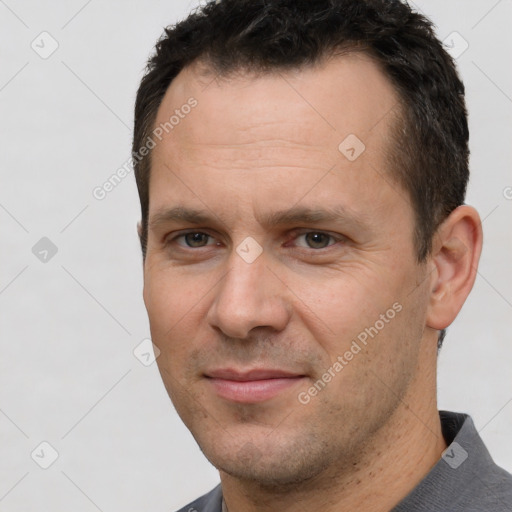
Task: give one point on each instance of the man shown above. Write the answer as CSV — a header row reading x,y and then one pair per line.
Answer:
x,y
302,166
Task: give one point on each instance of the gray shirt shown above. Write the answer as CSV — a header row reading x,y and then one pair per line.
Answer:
x,y
464,479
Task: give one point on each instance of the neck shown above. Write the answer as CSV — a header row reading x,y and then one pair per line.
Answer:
x,y
389,465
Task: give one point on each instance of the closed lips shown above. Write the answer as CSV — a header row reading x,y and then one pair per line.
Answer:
x,y
252,386
250,375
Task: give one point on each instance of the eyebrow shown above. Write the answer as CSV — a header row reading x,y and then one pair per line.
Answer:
x,y
293,215
313,215
177,214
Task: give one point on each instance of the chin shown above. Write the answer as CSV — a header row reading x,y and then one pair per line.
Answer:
x,y
274,464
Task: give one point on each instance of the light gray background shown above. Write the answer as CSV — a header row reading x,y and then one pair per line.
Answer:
x,y
69,325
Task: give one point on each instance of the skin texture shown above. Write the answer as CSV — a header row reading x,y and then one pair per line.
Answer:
x,y
255,146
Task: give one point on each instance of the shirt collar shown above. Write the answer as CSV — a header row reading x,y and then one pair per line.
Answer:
x,y
460,464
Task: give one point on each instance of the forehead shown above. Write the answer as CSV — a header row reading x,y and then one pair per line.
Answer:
x,y
337,96
259,136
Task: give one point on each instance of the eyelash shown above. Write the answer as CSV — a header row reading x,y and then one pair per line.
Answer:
x,y
332,238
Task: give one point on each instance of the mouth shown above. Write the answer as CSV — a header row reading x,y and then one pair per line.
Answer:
x,y
251,386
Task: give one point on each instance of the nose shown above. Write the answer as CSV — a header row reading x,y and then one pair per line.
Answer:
x,y
251,295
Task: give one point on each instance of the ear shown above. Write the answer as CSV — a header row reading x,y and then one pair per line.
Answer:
x,y
456,251
142,241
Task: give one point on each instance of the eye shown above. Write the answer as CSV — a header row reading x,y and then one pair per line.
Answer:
x,y
316,240
194,240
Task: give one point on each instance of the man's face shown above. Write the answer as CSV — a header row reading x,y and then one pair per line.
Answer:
x,y
270,250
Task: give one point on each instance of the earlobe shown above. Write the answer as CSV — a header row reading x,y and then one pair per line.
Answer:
x,y
455,255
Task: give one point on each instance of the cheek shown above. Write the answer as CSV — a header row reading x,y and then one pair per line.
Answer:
x,y
168,296
173,311
337,309
174,324
367,320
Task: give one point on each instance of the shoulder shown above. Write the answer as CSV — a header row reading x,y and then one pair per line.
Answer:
x,y
210,502
483,484
465,479
491,490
